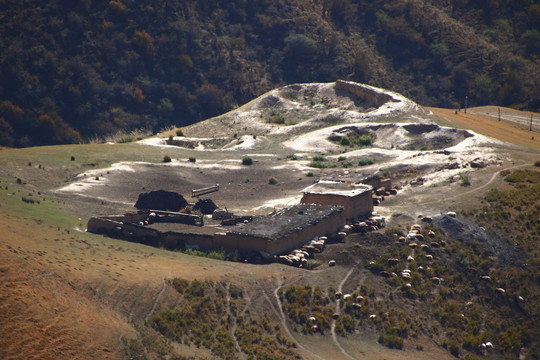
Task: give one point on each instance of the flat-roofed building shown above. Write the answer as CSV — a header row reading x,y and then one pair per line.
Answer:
x,y
356,199
284,230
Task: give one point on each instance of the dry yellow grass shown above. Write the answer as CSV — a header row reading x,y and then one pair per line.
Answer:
x,y
490,126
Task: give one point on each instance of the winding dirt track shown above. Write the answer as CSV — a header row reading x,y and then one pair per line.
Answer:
x,y
338,302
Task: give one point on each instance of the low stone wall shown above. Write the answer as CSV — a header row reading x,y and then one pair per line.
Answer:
x,y
364,93
124,230
175,240
120,227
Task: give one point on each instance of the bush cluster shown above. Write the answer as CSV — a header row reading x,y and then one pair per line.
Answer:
x,y
205,318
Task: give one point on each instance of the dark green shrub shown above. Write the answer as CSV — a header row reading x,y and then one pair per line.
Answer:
x,y
246,160
179,132
391,341
27,200
126,139
272,181
192,159
464,178
364,162
167,159
320,162
276,118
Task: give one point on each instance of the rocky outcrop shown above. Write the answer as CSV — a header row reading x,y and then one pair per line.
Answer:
x,y
363,92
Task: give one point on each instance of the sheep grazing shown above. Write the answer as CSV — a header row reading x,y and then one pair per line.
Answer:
x,y
335,316
429,257
413,245
346,296
379,220
410,258
451,214
372,316
421,269
434,244
485,278
416,228
419,237
342,236
312,319
501,290
411,236
384,274
436,280
431,234
332,263
427,219
424,247
338,295
393,261
359,298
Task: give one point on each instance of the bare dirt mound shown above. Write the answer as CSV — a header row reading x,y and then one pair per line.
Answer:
x,y
304,107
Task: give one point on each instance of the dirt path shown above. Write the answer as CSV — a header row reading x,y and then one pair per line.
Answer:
x,y
156,301
283,320
491,127
337,310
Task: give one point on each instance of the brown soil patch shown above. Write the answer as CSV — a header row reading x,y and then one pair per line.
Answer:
x,y
490,126
42,315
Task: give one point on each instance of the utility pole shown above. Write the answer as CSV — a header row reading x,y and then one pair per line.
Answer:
x,y
499,114
530,127
466,98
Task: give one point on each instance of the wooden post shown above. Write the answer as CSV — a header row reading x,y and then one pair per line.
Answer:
x,y
499,114
466,98
530,127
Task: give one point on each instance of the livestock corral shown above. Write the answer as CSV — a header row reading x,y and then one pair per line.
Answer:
x,y
328,212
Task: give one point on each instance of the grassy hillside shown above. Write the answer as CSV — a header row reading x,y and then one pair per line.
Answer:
x,y
72,71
